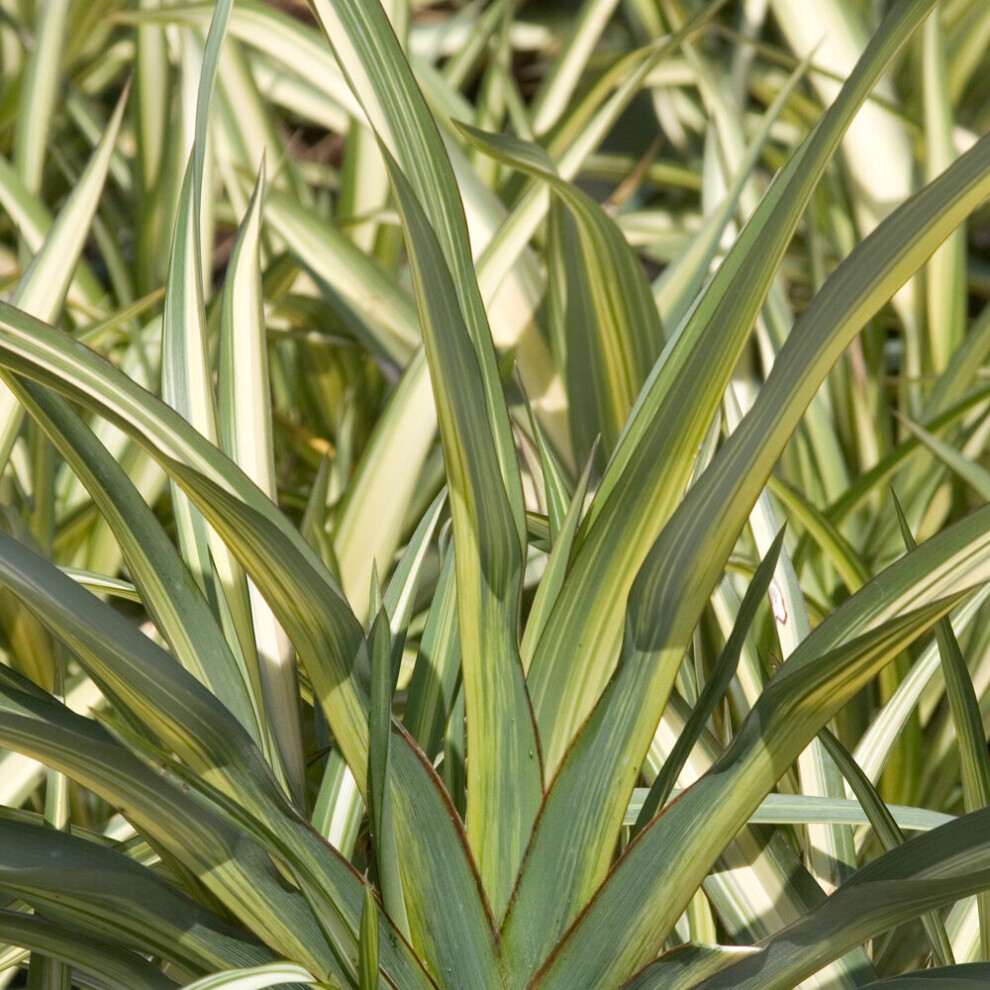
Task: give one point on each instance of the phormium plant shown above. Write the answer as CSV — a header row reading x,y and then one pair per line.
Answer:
x,y
395,585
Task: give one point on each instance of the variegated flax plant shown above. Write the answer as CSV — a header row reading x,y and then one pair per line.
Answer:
x,y
492,494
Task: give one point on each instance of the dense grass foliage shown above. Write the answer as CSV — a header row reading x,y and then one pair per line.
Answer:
x,y
493,494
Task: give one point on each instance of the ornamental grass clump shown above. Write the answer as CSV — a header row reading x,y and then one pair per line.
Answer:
x,y
402,407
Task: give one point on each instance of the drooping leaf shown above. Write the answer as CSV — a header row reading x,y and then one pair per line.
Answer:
x,y
504,788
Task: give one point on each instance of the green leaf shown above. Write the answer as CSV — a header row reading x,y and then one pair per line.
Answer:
x,y
166,698
310,606
555,572
119,656
871,481
874,748
977,477
401,592
968,976
945,275
694,545
167,588
230,865
39,91
255,978
968,723
556,491
653,461
377,71
307,600
293,44
368,973
187,386
561,80
436,675
245,423
187,377
459,946
851,569
42,289
504,789
811,686
700,529
341,270
95,963
614,332
375,505
714,689
584,128
810,809
379,782
489,524
53,872
887,828
932,870
681,281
